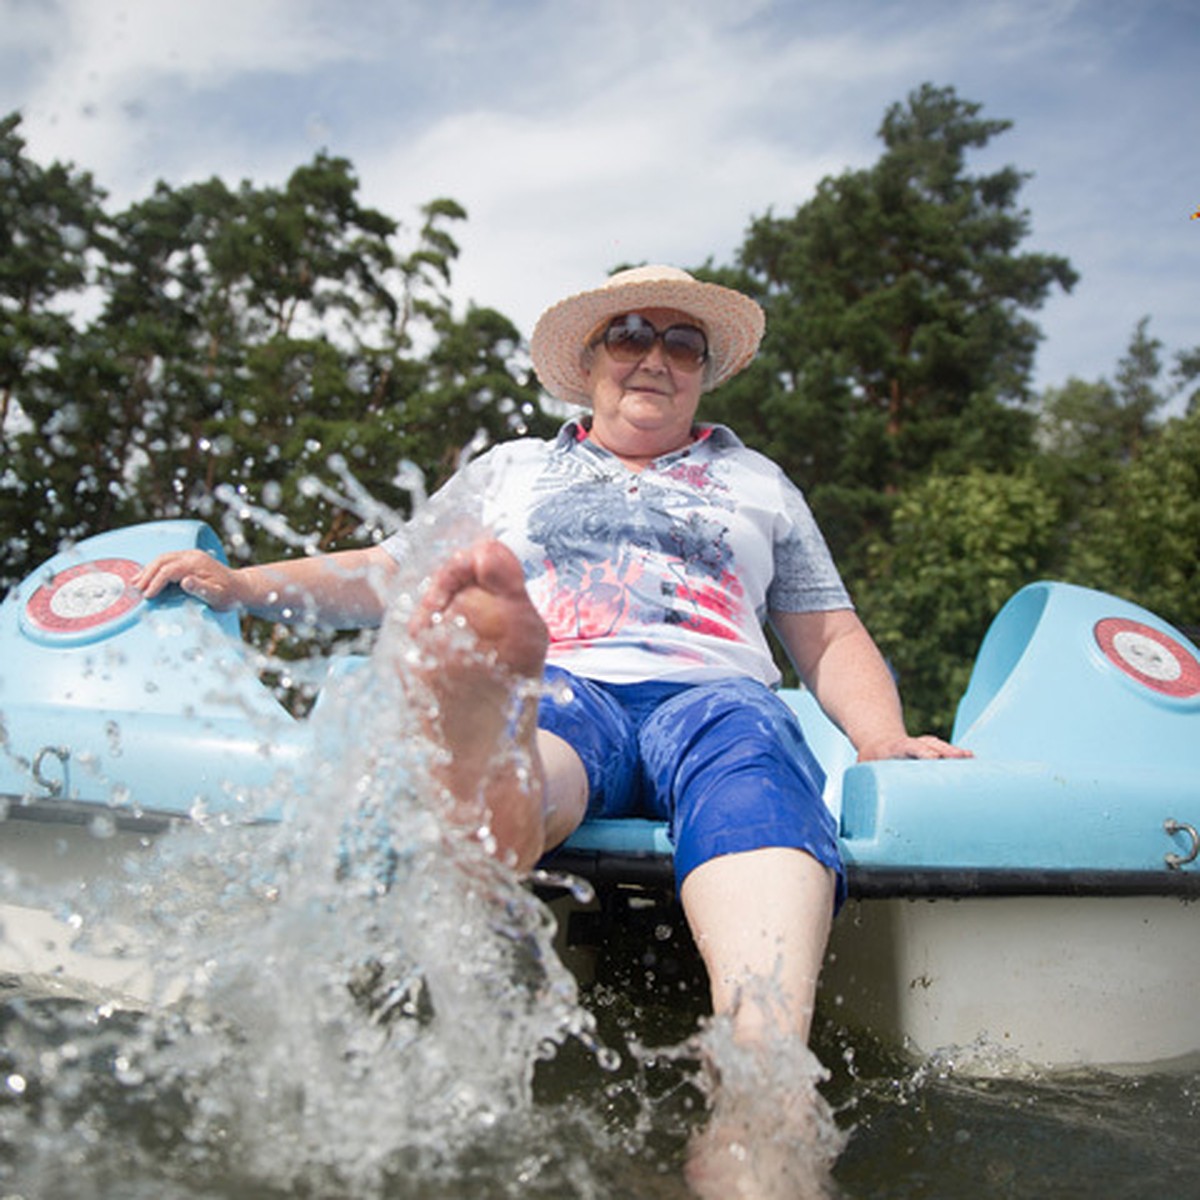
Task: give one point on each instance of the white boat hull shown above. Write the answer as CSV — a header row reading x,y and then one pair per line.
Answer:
x,y
990,985
55,866
981,985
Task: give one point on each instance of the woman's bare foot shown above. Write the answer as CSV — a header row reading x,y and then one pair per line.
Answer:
x,y
483,648
770,1134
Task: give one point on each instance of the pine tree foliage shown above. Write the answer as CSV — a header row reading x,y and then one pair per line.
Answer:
x,y
269,346
898,313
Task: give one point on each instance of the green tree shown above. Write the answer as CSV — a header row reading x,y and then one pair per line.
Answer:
x,y
960,546
1143,543
50,219
51,226
898,340
271,346
139,380
1091,433
1186,372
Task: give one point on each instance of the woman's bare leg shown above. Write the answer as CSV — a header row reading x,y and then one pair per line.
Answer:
x,y
761,919
525,785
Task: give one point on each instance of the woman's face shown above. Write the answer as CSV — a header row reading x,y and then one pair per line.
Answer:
x,y
646,406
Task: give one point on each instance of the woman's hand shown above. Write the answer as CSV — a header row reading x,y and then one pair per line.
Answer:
x,y
926,746
197,573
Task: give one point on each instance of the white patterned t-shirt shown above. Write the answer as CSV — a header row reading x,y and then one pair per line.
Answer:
x,y
661,574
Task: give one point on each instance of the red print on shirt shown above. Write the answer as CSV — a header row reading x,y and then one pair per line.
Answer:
x,y
629,562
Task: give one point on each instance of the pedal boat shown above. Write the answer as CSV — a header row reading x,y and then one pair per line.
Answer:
x,y
1029,908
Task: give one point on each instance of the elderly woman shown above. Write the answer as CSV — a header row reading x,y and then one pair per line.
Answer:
x,y
631,562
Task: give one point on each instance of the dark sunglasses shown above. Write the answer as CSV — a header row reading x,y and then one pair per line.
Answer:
x,y
630,337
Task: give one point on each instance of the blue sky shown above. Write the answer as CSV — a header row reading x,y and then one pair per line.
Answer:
x,y
580,135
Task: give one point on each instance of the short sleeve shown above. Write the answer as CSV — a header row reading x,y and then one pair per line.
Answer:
x,y
806,579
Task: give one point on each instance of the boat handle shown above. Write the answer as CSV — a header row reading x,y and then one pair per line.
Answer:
x,y
53,787
1175,861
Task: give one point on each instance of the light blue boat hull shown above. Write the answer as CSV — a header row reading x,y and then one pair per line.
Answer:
x,y
141,712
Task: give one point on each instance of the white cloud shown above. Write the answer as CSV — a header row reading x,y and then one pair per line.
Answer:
x,y
581,135
645,155
111,66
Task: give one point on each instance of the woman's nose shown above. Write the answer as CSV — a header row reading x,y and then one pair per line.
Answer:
x,y
655,357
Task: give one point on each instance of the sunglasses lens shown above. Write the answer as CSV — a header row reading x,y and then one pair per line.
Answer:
x,y
686,346
630,337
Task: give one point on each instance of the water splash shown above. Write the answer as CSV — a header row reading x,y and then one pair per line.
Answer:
x,y
770,1132
348,995
354,990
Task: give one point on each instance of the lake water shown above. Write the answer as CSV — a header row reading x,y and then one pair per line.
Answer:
x,y
267,1092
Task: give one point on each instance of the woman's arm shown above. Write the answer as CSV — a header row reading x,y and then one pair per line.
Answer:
x,y
345,590
838,660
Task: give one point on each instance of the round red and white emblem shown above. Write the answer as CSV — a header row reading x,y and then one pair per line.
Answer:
x,y
1151,657
85,598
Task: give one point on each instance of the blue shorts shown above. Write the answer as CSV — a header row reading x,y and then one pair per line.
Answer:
x,y
724,764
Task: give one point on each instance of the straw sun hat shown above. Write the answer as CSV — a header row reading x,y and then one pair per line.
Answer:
x,y
733,322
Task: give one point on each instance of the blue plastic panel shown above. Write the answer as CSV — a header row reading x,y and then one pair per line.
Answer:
x,y
1083,712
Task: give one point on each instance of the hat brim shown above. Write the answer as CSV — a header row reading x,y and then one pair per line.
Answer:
x,y
732,321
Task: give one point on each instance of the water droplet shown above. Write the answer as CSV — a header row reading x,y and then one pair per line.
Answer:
x,y
126,1072
608,1058
102,826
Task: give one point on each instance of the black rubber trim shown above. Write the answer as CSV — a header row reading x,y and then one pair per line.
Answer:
x,y
872,883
